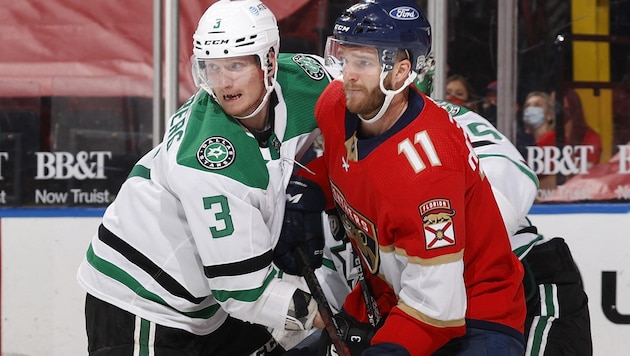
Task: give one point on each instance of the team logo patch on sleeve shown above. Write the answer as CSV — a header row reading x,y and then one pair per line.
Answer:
x,y
216,153
437,218
310,66
451,108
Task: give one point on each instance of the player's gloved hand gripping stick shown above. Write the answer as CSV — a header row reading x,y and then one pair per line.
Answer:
x,y
302,227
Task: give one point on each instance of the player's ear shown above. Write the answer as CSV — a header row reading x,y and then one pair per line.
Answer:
x,y
272,63
400,72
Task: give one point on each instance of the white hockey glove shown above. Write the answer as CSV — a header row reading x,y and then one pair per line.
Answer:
x,y
302,312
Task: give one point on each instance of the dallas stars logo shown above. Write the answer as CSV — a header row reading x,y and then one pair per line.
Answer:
x,y
311,67
451,108
216,153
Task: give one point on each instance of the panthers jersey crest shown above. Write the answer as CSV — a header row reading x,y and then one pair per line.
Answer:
x,y
360,229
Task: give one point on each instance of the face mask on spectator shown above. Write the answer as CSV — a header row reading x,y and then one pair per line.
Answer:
x,y
534,116
455,100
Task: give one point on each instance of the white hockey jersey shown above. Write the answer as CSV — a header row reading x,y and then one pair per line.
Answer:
x,y
189,237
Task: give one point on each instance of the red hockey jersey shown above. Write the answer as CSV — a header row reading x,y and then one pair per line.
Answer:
x,y
423,218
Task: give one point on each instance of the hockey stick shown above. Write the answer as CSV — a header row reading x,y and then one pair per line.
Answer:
x,y
373,314
322,305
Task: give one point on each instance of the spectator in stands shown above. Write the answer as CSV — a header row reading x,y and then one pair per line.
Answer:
x,y
461,92
539,121
539,118
576,129
538,114
489,105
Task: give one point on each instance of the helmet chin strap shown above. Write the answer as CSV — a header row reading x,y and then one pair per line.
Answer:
x,y
389,95
269,88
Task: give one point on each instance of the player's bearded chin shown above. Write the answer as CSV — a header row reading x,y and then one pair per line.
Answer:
x,y
370,102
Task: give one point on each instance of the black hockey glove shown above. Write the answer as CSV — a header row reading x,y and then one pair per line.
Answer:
x,y
302,227
355,334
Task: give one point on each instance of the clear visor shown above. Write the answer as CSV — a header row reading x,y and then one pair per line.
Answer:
x,y
365,59
220,72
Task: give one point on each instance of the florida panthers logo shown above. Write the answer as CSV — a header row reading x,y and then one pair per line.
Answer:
x,y
360,229
216,153
367,245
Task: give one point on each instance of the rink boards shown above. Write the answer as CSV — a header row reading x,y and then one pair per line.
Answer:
x,y
42,304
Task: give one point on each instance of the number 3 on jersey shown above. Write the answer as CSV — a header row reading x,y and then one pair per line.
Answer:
x,y
410,151
221,225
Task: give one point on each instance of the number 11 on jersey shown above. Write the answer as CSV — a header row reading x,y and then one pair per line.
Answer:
x,y
410,151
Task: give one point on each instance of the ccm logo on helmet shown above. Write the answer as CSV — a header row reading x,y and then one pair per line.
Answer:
x,y
404,13
216,42
342,28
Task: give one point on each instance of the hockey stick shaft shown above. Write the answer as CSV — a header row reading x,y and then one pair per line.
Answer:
x,y
322,305
373,314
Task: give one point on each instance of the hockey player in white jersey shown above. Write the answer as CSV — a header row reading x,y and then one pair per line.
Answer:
x,y
182,262
557,320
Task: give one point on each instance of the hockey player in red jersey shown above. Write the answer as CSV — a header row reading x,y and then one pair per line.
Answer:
x,y
413,200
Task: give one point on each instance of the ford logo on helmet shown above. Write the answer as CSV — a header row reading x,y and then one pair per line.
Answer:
x,y
404,13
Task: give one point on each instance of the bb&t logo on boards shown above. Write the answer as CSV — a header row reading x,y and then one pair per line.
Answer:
x,y
4,156
571,160
65,165
552,160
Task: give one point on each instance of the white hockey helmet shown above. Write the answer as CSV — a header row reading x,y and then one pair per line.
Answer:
x,y
235,28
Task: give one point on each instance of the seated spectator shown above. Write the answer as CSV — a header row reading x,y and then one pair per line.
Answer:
x,y
538,117
538,114
461,92
576,130
489,105
539,120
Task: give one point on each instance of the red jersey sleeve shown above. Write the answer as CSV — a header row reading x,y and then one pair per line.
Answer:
x,y
315,171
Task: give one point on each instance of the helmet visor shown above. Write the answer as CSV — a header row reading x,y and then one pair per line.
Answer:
x,y
210,73
360,58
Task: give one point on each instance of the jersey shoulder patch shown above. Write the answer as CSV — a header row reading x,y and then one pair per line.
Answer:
x,y
453,109
310,65
437,218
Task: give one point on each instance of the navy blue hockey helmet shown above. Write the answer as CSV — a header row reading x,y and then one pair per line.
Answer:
x,y
388,25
